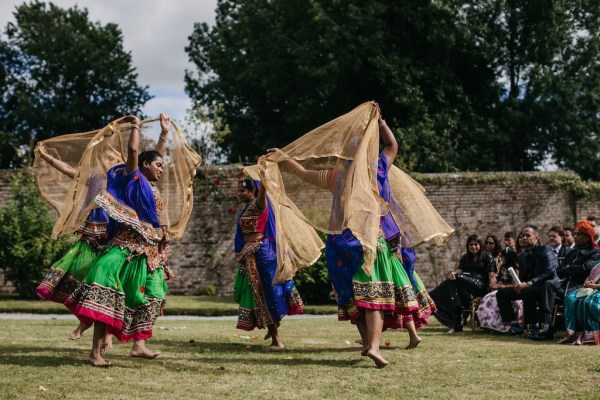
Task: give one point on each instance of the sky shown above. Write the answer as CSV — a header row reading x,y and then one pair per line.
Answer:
x,y
155,32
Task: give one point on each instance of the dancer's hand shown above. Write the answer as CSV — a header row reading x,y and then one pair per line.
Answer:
x,y
452,275
165,121
276,151
42,148
132,119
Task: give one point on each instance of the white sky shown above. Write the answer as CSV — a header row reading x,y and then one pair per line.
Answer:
x,y
155,32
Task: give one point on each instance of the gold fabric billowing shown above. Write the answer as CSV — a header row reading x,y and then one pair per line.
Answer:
x,y
298,245
94,153
344,194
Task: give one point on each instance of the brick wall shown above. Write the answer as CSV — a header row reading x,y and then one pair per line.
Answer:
x,y
470,202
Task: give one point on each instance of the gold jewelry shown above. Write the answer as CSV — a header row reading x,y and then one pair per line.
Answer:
x,y
162,138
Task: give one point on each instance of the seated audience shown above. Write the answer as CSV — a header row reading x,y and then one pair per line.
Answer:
x,y
488,313
568,237
510,240
538,264
470,279
582,312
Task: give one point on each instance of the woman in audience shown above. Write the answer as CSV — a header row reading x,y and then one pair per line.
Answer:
x,y
582,312
488,313
471,279
492,246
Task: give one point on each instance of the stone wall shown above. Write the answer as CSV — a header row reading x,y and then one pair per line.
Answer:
x,y
470,202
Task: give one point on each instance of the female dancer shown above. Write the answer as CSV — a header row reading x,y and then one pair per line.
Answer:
x,y
66,274
262,303
124,292
385,297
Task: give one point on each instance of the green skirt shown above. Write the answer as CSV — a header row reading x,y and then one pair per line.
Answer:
x,y
120,291
388,288
66,274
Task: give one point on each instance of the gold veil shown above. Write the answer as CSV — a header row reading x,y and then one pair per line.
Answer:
x,y
298,245
94,153
348,146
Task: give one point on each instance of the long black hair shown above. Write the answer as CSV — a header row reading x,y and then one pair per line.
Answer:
x,y
475,238
148,156
497,247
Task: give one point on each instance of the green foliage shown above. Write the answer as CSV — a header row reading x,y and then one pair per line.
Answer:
x,y
60,73
465,85
26,249
210,290
313,282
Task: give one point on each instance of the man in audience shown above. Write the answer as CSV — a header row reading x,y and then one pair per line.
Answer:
x,y
510,240
538,264
568,241
576,267
594,221
555,241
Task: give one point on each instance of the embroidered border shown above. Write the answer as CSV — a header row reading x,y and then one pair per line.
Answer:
x,y
120,212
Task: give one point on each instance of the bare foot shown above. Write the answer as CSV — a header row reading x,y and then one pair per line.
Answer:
x,y
98,361
358,341
143,352
107,345
267,336
76,334
413,344
364,351
380,362
274,347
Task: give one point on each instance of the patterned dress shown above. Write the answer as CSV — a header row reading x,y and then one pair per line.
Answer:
x,y
390,287
488,312
261,301
66,274
582,313
126,287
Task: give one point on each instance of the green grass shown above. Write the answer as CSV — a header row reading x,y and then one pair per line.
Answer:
x,y
212,360
176,305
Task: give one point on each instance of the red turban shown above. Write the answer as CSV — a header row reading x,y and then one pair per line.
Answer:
x,y
587,229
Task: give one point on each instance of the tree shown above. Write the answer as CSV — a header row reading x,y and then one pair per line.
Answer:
x,y
279,68
465,85
61,73
26,248
546,55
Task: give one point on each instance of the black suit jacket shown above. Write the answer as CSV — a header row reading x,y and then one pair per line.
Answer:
x,y
578,264
538,265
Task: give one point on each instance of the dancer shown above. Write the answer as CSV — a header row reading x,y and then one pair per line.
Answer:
x,y
124,292
262,303
383,296
66,274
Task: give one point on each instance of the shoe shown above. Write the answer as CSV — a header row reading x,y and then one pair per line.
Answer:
x,y
569,339
515,330
548,335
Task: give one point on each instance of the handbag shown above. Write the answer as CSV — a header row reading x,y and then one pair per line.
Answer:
x,y
585,292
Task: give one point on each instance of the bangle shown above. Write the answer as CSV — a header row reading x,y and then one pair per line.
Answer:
x,y
381,122
162,138
51,162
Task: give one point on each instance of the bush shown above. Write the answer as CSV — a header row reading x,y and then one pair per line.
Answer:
x,y
209,290
26,248
313,282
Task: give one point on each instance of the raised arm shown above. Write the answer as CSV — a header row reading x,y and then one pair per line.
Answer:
x,y
295,168
134,143
59,165
390,145
261,199
165,123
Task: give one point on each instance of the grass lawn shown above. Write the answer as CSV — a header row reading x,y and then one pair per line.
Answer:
x,y
176,305
212,360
